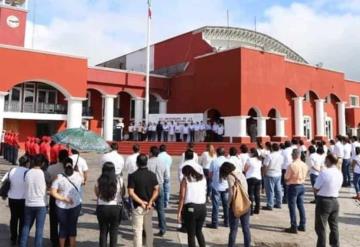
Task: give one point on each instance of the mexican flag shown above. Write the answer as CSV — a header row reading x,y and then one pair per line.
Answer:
x,y
149,9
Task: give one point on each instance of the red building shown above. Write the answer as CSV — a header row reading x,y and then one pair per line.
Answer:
x,y
256,84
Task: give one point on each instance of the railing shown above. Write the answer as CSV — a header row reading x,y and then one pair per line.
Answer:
x,y
36,108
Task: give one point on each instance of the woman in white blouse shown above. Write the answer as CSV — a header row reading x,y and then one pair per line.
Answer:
x,y
205,160
253,175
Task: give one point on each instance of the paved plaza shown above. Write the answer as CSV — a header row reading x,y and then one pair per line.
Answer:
x,y
266,228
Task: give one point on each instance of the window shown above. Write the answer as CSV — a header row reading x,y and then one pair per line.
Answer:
x,y
354,100
328,128
307,127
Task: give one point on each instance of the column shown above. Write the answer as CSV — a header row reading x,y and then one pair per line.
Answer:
x,y
320,117
108,116
243,126
299,116
280,126
354,131
74,112
261,126
139,110
2,108
163,106
341,116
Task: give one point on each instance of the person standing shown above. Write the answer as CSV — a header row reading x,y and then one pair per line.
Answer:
x,y
159,131
219,190
192,132
253,176
81,165
143,188
205,161
2,140
185,132
220,132
316,164
167,160
197,132
272,179
159,168
339,151
233,158
287,153
228,172
192,203
209,134
16,197
115,158
172,132
346,162
244,153
130,163
327,188
108,192
295,178
35,202
166,132
356,168
202,131
66,190
131,131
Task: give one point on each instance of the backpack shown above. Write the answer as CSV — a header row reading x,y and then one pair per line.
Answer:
x,y
240,203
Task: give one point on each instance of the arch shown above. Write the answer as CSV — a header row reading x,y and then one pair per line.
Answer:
x,y
274,113
290,92
157,96
251,123
312,95
212,115
154,104
102,92
254,112
129,92
334,98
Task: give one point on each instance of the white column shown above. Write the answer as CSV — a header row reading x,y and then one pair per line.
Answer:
x,y
235,126
2,108
108,116
299,116
261,126
243,126
354,131
341,116
280,126
74,112
163,106
320,117
139,109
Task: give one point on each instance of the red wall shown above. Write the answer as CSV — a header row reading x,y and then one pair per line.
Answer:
x,y
12,36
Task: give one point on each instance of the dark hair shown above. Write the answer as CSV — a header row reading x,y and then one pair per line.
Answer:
x,y
225,169
136,148
190,145
295,141
114,146
63,154
233,151
154,151
244,148
354,138
141,160
259,144
220,151
332,142
287,144
320,150
254,153
357,150
190,173
312,149
74,151
189,154
107,182
301,142
275,147
162,148
332,159
268,145
37,161
282,145
24,160
68,170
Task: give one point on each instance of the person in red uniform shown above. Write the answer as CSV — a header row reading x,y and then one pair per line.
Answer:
x,y
36,146
15,146
11,148
45,147
27,145
6,145
54,152
31,146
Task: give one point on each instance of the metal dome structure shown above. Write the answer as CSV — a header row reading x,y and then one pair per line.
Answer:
x,y
222,38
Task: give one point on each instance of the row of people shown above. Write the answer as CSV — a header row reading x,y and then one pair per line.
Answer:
x,y
10,146
186,132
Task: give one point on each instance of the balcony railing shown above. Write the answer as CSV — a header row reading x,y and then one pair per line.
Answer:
x,y
36,108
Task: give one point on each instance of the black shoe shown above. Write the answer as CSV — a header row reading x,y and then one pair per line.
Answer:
x,y
226,224
161,234
301,229
267,208
284,202
256,211
211,226
277,206
292,230
313,202
182,229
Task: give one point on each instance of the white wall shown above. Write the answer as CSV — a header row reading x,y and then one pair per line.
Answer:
x,y
137,60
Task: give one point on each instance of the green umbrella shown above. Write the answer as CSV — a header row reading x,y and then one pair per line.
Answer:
x,y
82,140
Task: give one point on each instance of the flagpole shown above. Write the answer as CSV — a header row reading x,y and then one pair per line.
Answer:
x,y
147,86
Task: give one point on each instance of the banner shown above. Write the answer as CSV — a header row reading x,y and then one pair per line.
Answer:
x,y
177,118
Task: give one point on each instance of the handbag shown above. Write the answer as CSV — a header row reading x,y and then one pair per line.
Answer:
x,y
5,187
125,210
240,203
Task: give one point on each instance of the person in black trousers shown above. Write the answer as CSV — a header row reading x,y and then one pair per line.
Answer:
x,y
108,193
159,130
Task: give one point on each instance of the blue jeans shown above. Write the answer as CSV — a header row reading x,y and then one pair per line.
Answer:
x,y
160,210
234,225
346,172
166,192
296,198
357,182
273,188
30,215
216,196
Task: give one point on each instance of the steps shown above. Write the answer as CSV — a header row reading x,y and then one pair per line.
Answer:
x,y
174,148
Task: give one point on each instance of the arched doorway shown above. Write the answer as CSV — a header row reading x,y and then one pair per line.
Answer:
x,y
290,112
310,114
154,105
271,122
251,123
93,110
333,112
124,107
213,115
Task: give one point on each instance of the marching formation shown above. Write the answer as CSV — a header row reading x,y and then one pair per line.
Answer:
x,y
50,177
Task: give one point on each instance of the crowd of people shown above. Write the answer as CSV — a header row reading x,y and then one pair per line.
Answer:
x,y
212,131
280,169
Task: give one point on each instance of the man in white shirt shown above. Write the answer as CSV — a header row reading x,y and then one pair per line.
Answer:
x,y
220,133
272,179
339,150
81,164
185,132
131,131
115,158
346,162
172,131
202,131
166,132
196,157
209,134
355,143
197,132
130,163
165,158
287,153
178,132
215,127
327,188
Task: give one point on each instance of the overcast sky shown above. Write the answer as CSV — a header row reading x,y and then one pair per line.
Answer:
x,y
326,31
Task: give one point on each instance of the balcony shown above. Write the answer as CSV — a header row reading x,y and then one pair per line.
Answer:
x,y
43,108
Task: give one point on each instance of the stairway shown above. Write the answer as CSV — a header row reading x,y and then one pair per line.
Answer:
x,y
174,148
